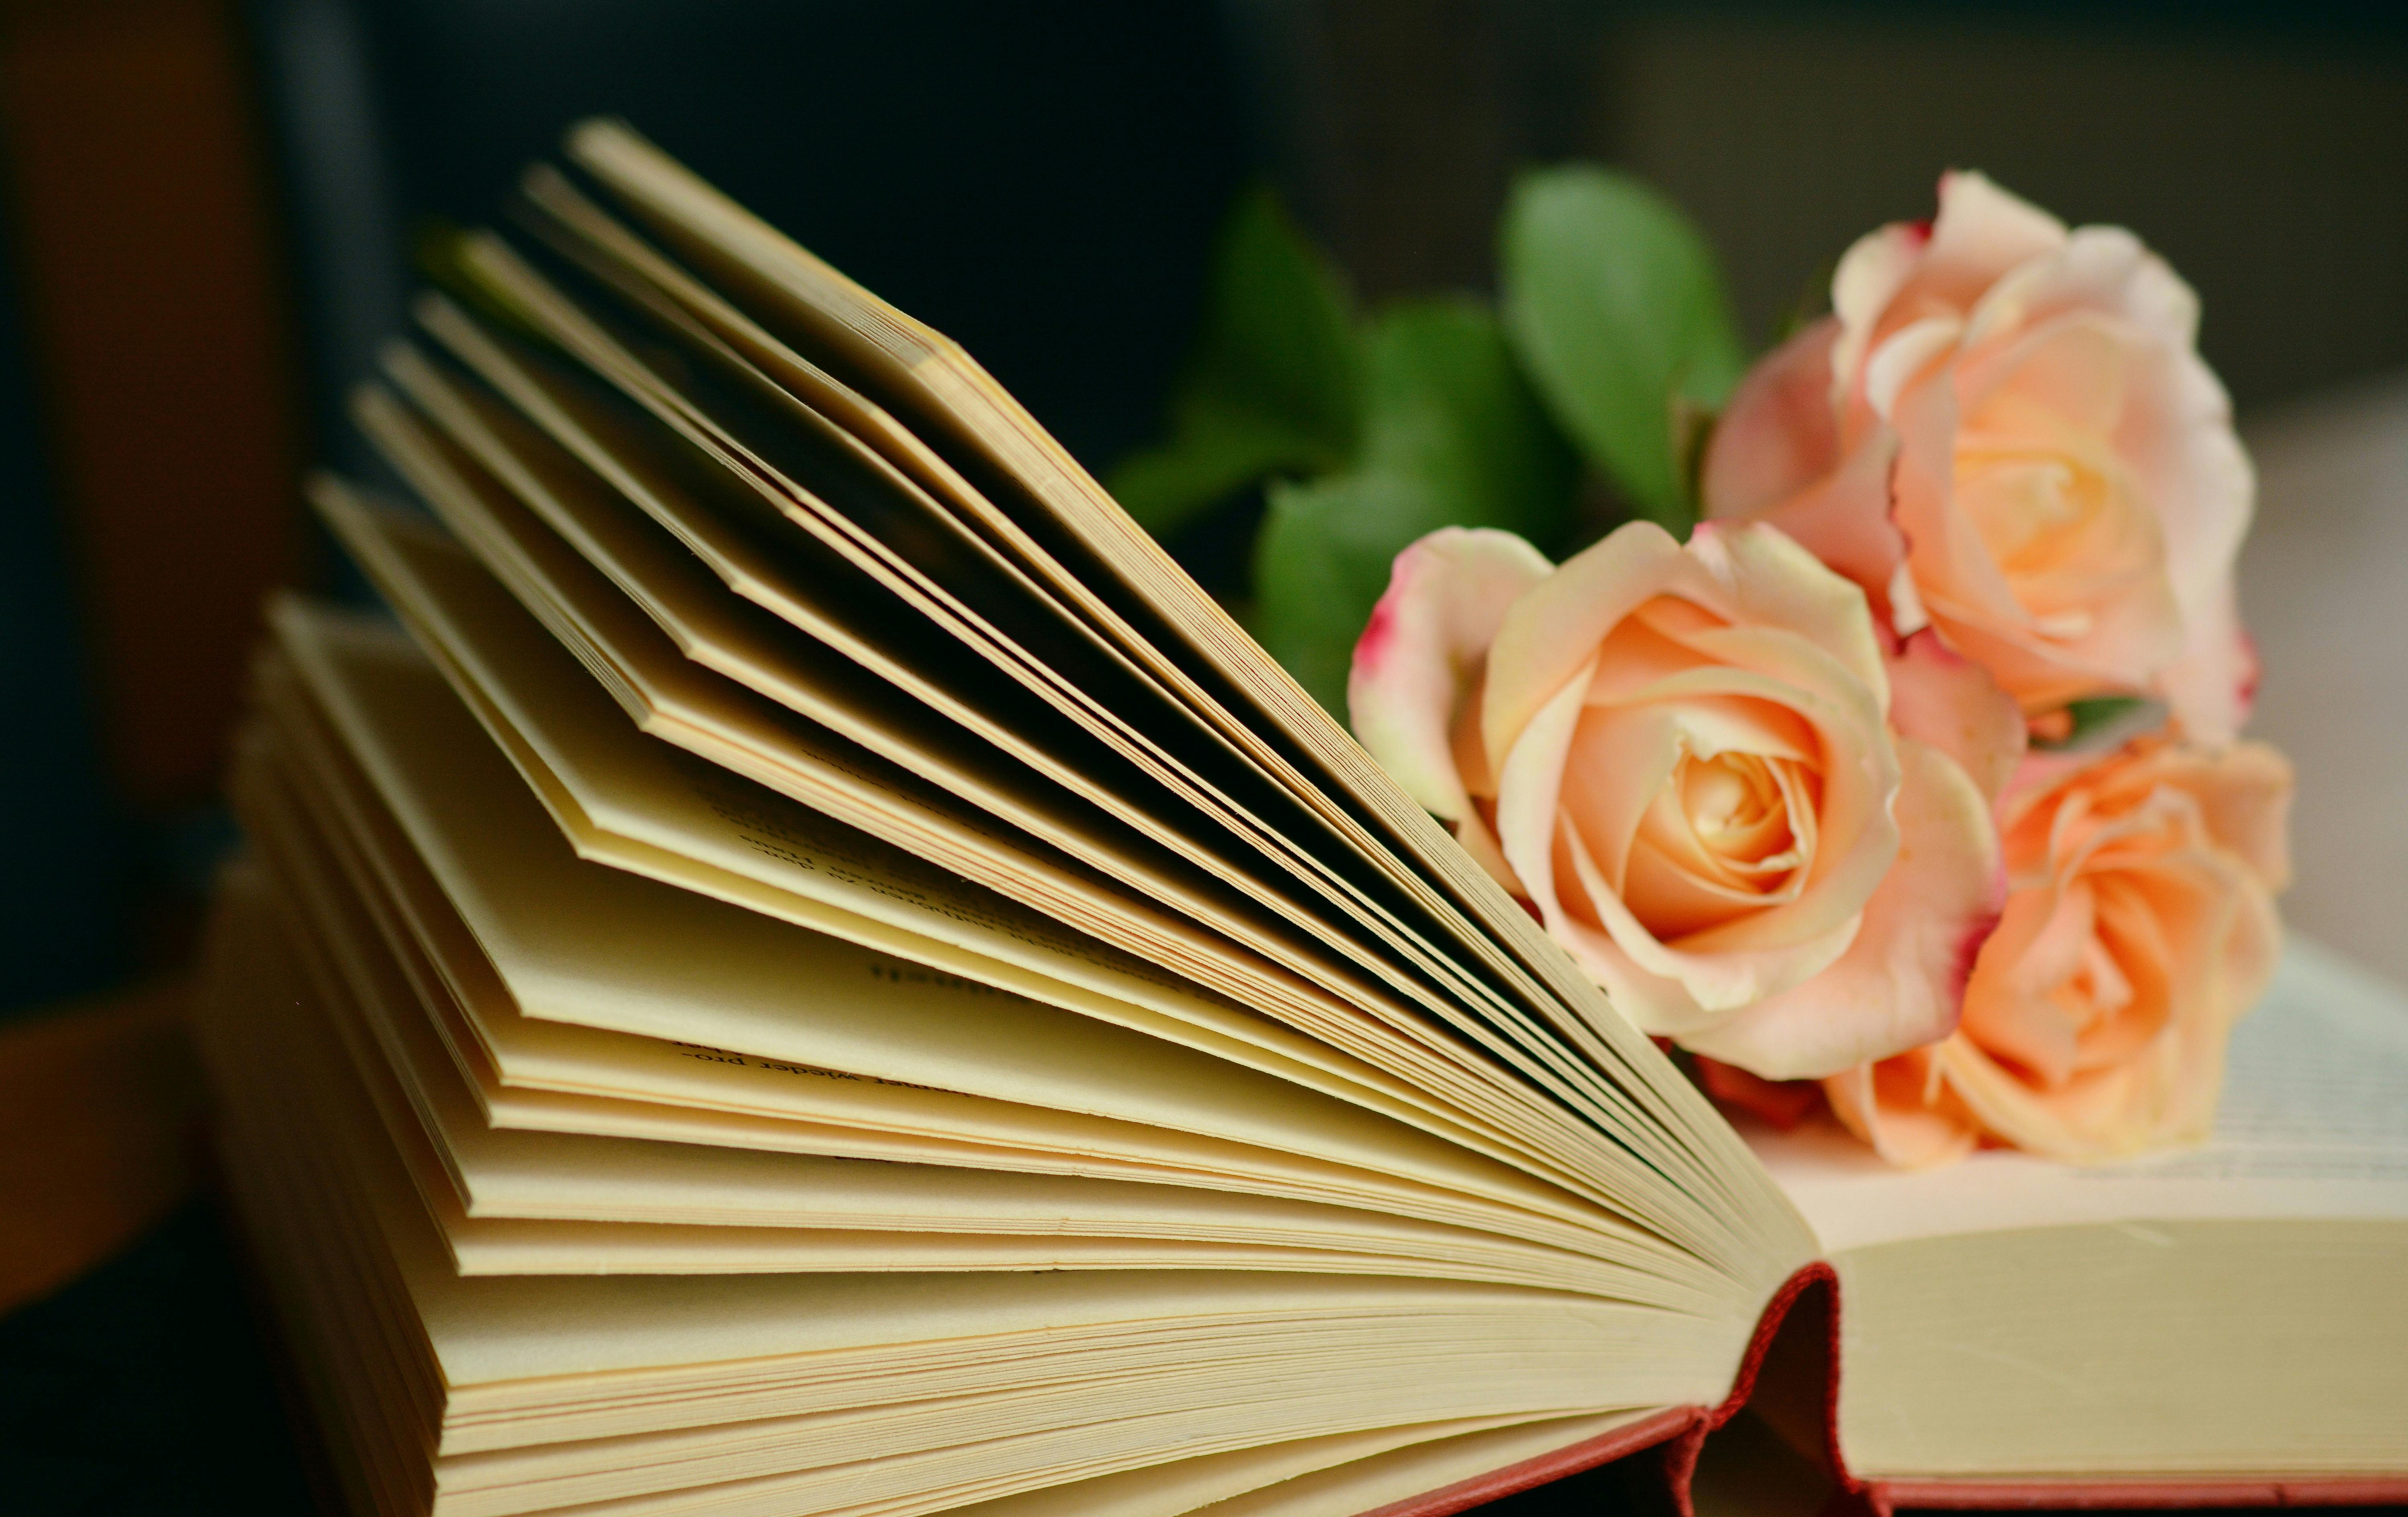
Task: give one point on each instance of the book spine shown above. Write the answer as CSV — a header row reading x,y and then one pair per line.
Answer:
x,y
1792,1367
1806,1305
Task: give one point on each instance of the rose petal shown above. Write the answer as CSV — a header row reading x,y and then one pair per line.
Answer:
x,y
2042,939
1869,278
1529,794
2173,431
1691,990
1779,434
1649,646
1618,760
1981,233
2178,436
1554,629
1904,1109
2044,673
1952,702
2093,268
1656,1004
1781,1104
1774,582
1842,518
1675,893
1858,838
2142,927
2078,366
1971,600
1422,650
1900,275
2245,796
2166,1094
1948,558
1639,656
1902,357
1901,982
2208,689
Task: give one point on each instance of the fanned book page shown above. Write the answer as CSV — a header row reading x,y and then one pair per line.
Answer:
x,y
815,972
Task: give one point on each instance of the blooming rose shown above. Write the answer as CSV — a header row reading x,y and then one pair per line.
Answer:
x,y
1684,759
2140,926
2005,429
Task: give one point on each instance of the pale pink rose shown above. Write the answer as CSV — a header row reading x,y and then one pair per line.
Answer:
x,y
2005,430
1684,759
2140,927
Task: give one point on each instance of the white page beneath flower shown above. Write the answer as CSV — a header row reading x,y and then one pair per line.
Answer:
x,y
2314,1122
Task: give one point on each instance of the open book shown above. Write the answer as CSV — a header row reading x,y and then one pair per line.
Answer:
x,y
815,972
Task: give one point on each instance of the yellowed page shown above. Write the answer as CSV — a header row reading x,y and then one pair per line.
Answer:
x,y
943,1480
551,1411
936,381
846,551
731,1099
669,683
1364,931
596,947
637,1324
1186,1485
904,1483
330,1308
586,234
673,1323
723,724
2166,1348
880,1120
1423,1466
1050,670
1055,1377
868,717
529,1204
1157,1489
631,804
542,1176
1167,1490
2232,1311
1422,1323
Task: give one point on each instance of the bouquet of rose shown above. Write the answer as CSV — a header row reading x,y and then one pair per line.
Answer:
x,y
1886,758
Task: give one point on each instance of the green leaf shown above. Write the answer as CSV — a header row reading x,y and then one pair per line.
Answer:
x,y
1453,436
1614,305
2103,721
1321,563
1274,385
1445,404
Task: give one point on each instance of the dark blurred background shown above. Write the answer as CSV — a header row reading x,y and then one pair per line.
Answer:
x,y
205,209
209,205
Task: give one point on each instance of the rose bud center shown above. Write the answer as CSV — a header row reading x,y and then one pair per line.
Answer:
x,y
2059,512
1727,833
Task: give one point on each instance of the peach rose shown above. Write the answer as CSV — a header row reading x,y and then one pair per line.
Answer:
x,y
2005,429
1684,759
2140,927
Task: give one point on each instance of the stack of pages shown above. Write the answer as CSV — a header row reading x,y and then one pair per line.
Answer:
x,y
815,972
